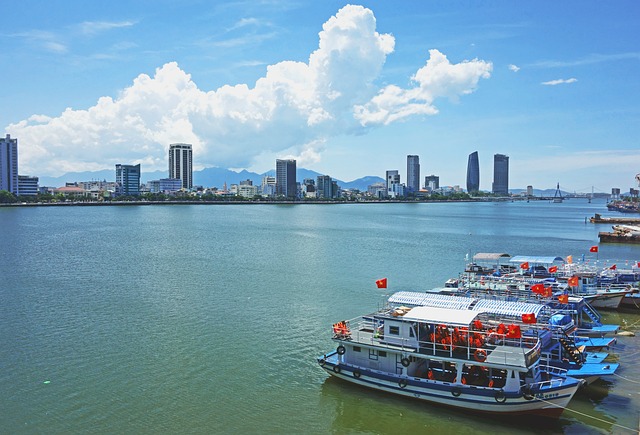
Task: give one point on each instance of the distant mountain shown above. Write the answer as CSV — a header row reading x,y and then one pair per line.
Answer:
x,y
208,177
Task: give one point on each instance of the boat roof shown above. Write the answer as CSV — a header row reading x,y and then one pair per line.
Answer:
x,y
432,300
490,256
536,259
513,309
441,315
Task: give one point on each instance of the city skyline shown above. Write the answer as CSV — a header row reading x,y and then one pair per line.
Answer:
x,y
251,83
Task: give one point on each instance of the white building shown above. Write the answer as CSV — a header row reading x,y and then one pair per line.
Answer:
x,y
181,163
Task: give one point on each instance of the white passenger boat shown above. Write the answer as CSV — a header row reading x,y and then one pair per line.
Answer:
x,y
450,357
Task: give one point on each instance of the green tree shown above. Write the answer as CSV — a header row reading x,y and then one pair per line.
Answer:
x,y
7,197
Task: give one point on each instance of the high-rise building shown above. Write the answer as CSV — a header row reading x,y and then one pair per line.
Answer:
x,y
9,165
473,173
127,179
326,187
500,174
181,163
28,186
413,173
393,183
286,178
432,182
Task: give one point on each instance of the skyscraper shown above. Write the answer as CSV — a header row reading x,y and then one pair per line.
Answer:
x,y
128,179
473,173
9,165
393,184
286,178
181,163
413,173
500,174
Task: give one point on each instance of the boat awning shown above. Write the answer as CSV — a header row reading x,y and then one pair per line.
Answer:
x,y
441,315
512,309
431,300
489,256
535,259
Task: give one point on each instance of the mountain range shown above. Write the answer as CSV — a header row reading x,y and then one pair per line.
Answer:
x,y
208,177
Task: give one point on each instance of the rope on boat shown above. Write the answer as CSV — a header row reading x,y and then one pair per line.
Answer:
x,y
590,416
626,379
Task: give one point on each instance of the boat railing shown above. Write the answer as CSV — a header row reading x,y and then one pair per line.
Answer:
x,y
552,377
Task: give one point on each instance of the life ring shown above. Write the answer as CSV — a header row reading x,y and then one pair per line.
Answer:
x,y
336,369
356,373
341,350
402,383
456,392
500,396
526,393
405,362
480,355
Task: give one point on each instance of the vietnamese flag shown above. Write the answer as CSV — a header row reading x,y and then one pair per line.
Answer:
x,y
573,281
563,299
529,318
614,267
537,288
524,265
593,249
553,269
548,292
382,283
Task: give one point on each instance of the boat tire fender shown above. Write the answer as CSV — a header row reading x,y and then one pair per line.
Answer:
x,y
500,396
336,369
526,393
456,392
405,362
356,373
402,383
341,350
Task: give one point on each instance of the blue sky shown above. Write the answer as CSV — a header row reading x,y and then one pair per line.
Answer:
x,y
348,90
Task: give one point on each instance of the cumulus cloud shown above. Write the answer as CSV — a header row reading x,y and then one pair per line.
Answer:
x,y
559,82
290,111
514,68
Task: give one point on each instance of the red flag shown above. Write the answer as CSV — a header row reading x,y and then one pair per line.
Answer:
x,y
529,318
573,281
614,267
563,299
382,283
593,249
524,265
514,332
553,269
537,288
548,292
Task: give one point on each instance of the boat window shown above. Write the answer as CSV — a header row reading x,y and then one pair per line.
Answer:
x,y
356,348
411,333
382,354
373,354
394,330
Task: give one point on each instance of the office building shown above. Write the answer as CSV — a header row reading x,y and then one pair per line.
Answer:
x,y
286,178
128,179
9,165
432,182
181,163
500,174
413,173
473,173
326,187
164,185
269,185
28,186
393,183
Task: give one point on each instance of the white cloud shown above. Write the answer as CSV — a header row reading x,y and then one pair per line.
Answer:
x,y
95,27
559,82
292,110
514,68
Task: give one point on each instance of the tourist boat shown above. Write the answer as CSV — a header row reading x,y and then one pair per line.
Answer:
x,y
451,357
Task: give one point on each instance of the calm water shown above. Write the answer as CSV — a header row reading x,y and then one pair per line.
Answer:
x,y
208,319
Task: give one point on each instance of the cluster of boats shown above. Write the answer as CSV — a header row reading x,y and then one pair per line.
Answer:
x,y
498,339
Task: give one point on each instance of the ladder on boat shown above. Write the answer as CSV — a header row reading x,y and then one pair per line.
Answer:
x,y
591,313
569,345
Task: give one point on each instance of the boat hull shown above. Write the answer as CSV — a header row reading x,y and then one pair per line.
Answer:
x,y
549,403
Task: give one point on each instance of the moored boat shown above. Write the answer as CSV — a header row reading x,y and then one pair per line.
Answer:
x,y
453,357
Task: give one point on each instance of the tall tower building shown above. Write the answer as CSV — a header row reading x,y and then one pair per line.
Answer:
x,y
500,174
393,183
473,173
128,179
181,163
286,178
9,165
413,173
